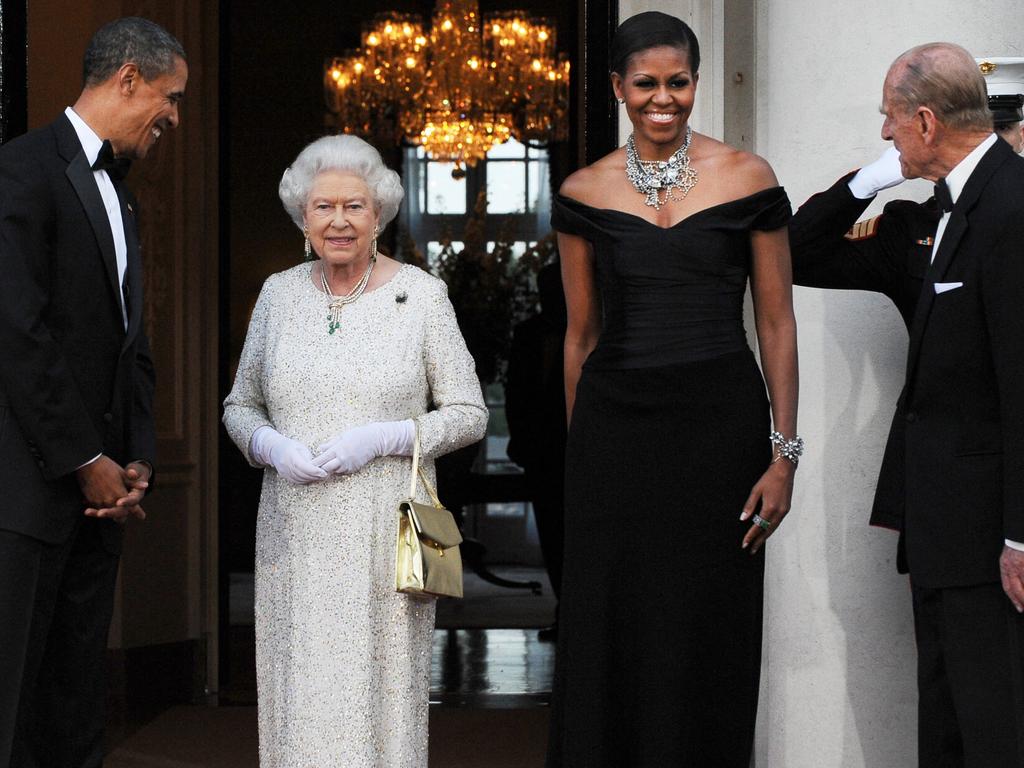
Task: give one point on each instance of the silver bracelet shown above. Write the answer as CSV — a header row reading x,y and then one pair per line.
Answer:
x,y
791,449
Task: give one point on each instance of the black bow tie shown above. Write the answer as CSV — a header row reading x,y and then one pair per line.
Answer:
x,y
942,196
116,167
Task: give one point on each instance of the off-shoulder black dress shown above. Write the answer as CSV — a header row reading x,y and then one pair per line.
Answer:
x,y
659,651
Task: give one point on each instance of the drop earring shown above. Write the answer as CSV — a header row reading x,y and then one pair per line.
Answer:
x,y
373,245
306,249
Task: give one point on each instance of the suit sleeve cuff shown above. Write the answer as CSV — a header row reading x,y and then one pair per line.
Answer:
x,y
87,463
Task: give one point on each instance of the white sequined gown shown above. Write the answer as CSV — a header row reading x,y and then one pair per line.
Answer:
x,y
342,660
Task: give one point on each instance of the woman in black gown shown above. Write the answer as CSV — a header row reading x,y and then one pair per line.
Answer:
x,y
674,476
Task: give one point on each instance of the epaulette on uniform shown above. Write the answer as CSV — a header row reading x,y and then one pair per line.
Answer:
x,y
864,230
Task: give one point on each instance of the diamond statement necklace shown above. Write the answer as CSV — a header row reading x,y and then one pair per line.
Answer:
x,y
661,180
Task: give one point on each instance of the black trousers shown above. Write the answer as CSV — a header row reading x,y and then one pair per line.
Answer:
x,y
546,486
56,603
970,678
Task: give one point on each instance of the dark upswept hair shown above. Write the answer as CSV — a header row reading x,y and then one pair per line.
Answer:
x,y
652,29
945,78
130,39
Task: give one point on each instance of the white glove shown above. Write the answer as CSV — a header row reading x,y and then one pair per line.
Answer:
x,y
883,173
355,448
290,458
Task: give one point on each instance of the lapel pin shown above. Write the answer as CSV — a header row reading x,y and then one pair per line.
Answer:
x,y
401,297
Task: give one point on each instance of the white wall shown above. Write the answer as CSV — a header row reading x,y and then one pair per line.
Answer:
x,y
838,686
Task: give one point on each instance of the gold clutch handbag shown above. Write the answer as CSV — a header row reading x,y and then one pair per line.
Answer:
x,y
427,559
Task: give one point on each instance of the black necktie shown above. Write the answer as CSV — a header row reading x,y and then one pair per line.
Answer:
x,y
942,196
116,167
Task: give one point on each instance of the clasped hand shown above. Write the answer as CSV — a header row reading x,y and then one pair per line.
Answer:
x,y
112,492
343,454
353,449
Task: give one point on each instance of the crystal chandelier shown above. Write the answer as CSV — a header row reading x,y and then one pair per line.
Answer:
x,y
457,90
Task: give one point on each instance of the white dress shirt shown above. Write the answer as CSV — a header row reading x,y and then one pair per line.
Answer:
x,y
956,180
91,144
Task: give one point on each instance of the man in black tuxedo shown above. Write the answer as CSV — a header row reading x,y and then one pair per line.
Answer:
x,y
76,390
952,480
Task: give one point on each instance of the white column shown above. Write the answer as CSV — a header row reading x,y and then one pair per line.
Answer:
x,y
839,664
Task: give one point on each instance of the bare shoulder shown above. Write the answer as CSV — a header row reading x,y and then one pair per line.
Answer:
x,y
743,172
596,183
752,173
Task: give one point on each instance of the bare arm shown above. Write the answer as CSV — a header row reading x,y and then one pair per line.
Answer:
x,y
583,306
771,287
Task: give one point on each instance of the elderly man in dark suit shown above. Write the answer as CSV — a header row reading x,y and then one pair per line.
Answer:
x,y
952,479
889,253
76,390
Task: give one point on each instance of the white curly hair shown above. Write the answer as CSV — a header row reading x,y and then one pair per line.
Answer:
x,y
340,153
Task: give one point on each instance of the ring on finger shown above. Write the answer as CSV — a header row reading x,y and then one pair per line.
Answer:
x,y
761,523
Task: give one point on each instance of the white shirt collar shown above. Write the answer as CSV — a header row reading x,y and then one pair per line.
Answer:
x,y
90,142
957,178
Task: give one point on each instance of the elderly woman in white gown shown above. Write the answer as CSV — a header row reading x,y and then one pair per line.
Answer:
x,y
346,355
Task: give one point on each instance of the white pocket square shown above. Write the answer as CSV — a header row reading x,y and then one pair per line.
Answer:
x,y
943,287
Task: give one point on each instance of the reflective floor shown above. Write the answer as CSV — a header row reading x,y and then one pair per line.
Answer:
x,y
491,668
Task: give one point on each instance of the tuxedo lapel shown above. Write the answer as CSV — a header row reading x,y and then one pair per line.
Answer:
x,y
133,274
956,228
80,174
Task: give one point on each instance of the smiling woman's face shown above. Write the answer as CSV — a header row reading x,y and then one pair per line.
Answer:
x,y
340,218
659,89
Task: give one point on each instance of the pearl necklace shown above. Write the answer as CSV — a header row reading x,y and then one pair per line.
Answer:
x,y
337,303
651,177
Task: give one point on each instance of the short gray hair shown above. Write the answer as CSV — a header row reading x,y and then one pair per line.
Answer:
x,y
141,42
341,153
944,78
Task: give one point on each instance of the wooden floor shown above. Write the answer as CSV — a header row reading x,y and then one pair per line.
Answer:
x,y
489,695
489,689
491,669
225,737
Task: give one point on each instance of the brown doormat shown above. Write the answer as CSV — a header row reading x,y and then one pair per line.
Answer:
x,y
225,737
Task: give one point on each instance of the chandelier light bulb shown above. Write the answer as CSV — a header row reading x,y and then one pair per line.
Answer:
x,y
457,89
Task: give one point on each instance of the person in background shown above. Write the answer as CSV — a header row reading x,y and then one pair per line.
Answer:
x,y
76,389
535,409
350,358
1004,78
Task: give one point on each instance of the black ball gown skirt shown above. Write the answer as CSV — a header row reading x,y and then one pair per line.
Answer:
x,y
660,622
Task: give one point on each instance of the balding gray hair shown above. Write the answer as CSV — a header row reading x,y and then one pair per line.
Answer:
x,y
141,42
341,153
944,78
